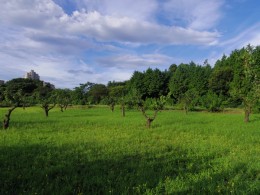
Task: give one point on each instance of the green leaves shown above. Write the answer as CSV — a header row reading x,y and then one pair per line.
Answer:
x,y
153,103
96,93
18,91
212,101
187,77
149,84
245,84
220,79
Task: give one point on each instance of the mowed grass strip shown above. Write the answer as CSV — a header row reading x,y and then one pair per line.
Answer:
x,y
96,151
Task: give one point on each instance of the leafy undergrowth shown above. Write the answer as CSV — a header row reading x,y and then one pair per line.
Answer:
x,y
95,151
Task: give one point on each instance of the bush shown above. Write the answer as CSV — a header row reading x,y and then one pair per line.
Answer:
x,y
212,102
256,109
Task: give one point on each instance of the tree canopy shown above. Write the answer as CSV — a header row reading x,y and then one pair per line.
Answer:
x,y
233,81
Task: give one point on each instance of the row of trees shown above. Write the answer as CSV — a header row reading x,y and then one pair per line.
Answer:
x,y
234,81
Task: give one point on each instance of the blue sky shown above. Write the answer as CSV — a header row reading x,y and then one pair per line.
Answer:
x,y
68,42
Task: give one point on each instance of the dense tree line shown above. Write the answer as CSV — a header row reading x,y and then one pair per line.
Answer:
x,y
234,81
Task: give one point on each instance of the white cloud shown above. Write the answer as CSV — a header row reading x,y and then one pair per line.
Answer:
x,y
135,61
47,17
29,13
199,14
139,10
251,36
109,28
255,40
248,36
39,35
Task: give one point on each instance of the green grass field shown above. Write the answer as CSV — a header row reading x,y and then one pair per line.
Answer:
x,y
95,151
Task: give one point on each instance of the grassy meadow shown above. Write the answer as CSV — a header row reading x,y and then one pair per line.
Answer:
x,y
95,151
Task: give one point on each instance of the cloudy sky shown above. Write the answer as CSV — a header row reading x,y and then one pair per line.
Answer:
x,y
68,42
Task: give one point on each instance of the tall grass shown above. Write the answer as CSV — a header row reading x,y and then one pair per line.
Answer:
x,y
95,151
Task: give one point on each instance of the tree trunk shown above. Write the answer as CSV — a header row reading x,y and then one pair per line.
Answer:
x,y
149,122
61,108
46,110
247,114
7,118
123,111
186,109
112,107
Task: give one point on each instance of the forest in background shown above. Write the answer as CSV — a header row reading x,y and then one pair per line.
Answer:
x,y
234,81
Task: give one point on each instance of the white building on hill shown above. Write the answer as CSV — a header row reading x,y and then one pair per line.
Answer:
x,y
32,75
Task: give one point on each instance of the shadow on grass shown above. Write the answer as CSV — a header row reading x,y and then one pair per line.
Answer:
x,y
39,169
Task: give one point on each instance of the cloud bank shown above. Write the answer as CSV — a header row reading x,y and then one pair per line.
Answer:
x,y
71,42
